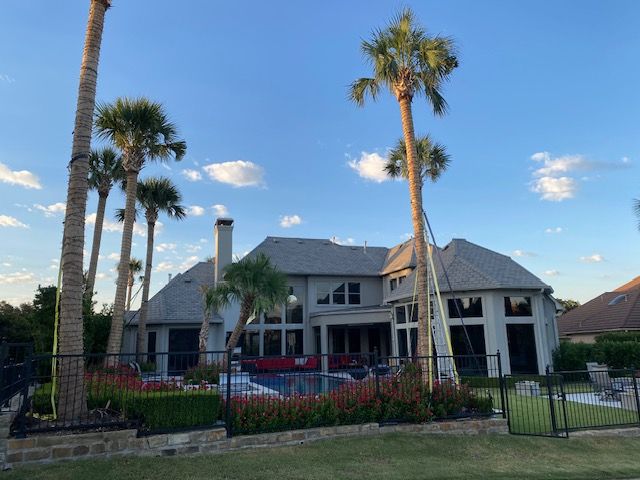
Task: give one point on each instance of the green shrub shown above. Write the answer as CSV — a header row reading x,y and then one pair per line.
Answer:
x,y
209,373
573,356
618,354
618,337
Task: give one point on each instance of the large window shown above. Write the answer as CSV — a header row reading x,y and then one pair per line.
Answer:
x,y
403,347
401,316
523,357
273,342
295,312
338,293
517,306
467,307
274,316
338,339
393,284
460,340
294,342
251,343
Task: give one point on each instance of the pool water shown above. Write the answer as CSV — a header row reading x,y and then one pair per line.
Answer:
x,y
298,384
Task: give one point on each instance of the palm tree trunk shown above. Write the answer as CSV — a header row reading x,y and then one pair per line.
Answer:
x,y
115,334
245,312
72,397
95,249
415,194
129,289
203,340
142,320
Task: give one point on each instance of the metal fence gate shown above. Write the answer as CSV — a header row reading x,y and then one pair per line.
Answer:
x,y
558,403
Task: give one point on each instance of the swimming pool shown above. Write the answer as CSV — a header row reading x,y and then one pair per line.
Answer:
x,y
298,383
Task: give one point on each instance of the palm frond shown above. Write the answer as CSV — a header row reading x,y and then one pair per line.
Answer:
x,y
433,159
361,88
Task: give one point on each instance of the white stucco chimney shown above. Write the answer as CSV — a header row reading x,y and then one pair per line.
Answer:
x,y
223,236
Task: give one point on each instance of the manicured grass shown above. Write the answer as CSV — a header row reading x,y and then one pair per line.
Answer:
x,y
385,457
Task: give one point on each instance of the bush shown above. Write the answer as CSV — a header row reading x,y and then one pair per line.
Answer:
x,y
573,356
618,354
614,353
209,373
618,337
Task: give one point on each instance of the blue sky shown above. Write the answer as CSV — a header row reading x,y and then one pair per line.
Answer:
x,y
542,130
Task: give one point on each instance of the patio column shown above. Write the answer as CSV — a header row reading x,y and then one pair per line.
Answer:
x,y
324,346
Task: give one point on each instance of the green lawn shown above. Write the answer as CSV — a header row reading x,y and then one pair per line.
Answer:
x,y
384,457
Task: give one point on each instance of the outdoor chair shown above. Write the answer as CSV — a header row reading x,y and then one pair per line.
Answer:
x,y
603,384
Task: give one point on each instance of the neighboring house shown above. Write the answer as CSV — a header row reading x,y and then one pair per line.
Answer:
x,y
353,299
616,311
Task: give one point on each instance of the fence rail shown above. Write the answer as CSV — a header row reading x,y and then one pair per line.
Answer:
x,y
169,391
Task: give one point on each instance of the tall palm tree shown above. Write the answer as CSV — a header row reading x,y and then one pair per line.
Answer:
x,y
253,282
141,130
155,196
409,62
211,302
433,160
636,209
135,267
71,399
105,168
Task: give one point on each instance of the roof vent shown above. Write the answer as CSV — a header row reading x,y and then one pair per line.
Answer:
x,y
299,241
275,240
187,280
618,299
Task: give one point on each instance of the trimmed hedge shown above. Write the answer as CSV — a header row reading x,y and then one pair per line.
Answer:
x,y
618,337
154,410
613,353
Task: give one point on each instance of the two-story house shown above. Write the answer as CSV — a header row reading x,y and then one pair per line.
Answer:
x,y
352,299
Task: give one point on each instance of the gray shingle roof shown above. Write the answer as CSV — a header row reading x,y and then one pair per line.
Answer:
x,y
308,256
180,300
472,267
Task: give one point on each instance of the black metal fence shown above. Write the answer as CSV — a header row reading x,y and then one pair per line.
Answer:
x,y
557,403
12,357
161,392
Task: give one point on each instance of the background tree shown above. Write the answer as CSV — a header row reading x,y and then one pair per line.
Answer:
x,y
105,168
71,400
255,284
409,62
135,267
155,196
141,130
433,160
568,304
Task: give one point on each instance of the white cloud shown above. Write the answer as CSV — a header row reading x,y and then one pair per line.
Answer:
x,y
16,278
102,276
343,241
551,273
370,166
6,264
190,248
552,180
203,240
595,258
195,211
51,210
288,221
7,221
553,230
220,210
24,178
191,175
165,266
188,262
109,226
6,78
239,173
165,247
114,256
240,256
555,189
522,253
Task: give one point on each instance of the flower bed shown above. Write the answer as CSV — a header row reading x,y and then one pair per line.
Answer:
x,y
405,400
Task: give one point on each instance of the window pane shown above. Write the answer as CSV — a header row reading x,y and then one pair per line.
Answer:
x,y
274,316
468,307
354,287
322,292
354,340
413,335
294,342
413,311
272,342
401,316
354,299
393,284
295,312
402,342
523,357
339,295
316,335
251,344
517,306
338,342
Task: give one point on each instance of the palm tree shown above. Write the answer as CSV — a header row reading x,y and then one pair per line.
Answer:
x,y
636,209
409,62
211,302
135,267
433,160
141,130
71,399
254,283
155,195
105,168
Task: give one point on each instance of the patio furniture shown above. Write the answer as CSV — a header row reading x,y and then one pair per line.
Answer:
x,y
608,388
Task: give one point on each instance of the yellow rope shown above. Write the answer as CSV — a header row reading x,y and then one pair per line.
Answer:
x,y
54,350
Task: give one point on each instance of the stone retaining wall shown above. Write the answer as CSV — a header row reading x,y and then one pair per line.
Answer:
x,y
52,448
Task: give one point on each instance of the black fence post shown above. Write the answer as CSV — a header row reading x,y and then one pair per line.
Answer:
x,y
376,361
635,392
552,410
24,406
228,412
501,381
